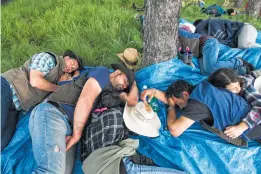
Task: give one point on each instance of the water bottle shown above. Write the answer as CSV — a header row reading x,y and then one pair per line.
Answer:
x,y
153,102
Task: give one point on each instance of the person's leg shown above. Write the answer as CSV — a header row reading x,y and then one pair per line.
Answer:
x,y
70,160
132,168
210,58
49,128
247,37
9,115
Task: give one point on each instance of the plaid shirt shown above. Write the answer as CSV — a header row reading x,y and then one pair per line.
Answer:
x,y
106,128
253,97
42,62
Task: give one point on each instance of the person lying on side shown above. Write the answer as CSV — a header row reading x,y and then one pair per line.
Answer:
x,y
205,103
243,86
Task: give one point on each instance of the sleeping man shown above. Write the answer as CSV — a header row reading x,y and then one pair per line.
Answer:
x,y
205,103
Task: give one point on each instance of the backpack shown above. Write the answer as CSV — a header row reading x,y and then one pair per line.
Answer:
x,y
214,9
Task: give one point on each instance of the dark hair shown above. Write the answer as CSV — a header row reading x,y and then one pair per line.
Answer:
x,y
196,22
72,55
178,87
223,77
229,11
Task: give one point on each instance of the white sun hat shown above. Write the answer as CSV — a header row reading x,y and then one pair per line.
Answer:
x,y
257,84
141,120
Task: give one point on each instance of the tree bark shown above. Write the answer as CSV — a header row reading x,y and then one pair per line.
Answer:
x,y
253,8
238,3
160,30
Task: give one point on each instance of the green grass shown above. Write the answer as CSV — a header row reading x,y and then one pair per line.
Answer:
x,y
95,29
191,13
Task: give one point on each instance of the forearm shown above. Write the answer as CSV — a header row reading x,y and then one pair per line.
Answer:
x,y
253,118
243,126
161,96
81,115
171,116
43,84
132,97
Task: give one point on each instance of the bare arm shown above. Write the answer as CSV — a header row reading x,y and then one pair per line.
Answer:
x,y
90,92
177,126
133,97
154,93
37,80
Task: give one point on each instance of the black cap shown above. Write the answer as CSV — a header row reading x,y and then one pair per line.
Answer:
x,y
74,56
129,73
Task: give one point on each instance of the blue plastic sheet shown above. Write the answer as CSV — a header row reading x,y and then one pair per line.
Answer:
x,y
195,151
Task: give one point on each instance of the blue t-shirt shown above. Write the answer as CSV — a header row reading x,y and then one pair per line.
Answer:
x,y
101,74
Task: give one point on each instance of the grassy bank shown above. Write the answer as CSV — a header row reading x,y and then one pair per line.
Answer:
x,y
94,29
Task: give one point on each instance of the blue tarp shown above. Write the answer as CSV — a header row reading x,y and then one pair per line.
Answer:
x,y
195,151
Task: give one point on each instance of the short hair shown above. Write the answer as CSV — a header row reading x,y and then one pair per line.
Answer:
x,y
223,77
196,22
177,89
229,11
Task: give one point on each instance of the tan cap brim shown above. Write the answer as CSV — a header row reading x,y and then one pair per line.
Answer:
x,y
120,55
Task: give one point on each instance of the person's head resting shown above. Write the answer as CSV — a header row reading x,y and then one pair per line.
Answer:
x,y
180,91
231,12
226,78
72,62
196,22
122,77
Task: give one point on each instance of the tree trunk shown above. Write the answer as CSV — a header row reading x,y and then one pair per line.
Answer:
x,y
238,3
253,8
160,30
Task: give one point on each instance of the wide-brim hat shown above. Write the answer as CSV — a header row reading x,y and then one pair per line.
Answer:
x,y
128,72
74,56
130,57
141,121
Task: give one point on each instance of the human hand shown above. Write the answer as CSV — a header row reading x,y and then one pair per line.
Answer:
x,y
76,73
171,102
148,92
234,131
71,141
65,77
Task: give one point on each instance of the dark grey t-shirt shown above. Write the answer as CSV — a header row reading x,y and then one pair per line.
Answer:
x,y
197,111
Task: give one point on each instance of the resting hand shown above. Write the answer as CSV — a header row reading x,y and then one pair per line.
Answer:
x,y
71,140
76,73
148,92
65,77
171,102
236,131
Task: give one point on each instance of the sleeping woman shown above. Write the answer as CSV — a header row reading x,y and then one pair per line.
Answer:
x,y
243,86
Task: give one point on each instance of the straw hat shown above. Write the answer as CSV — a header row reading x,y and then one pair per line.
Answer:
x,y
129,57
142,120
